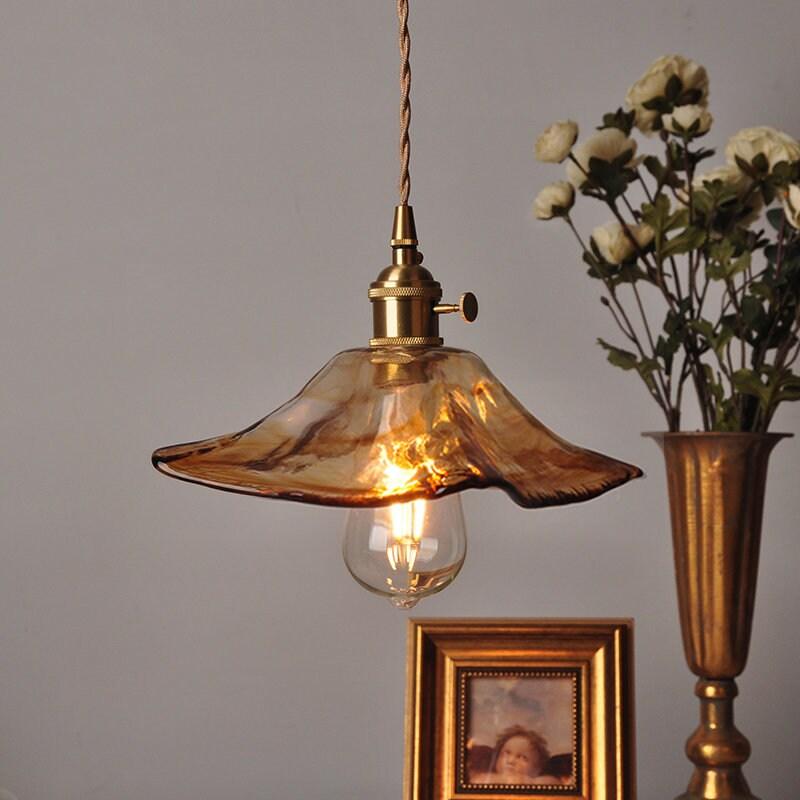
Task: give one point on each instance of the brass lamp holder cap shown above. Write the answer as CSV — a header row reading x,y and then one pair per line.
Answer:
x,y
405,297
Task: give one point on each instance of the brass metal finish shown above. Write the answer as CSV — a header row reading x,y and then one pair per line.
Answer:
x,y
406,341
716,491
717,747
404,291
467,306
600,651
404,229
405,297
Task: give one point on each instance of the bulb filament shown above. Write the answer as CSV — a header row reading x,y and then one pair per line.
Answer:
x,y
407,528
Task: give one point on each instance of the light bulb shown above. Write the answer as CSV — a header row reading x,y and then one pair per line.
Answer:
x,y
406,551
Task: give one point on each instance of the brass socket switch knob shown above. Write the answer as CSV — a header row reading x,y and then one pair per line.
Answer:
x,y
405,298
467,306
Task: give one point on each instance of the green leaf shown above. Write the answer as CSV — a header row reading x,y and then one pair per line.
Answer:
x,y
771,253
762,290
782,172
760,162
629,272
751,310
660,104
789,390
694,127
677,127
680,219
674,325
716,271
654,167
621,160
781,385
741,264
609,176
721,340
691,239
729,321
701,155
745,167
746,381
597,267
703,202
727,420
666,349
621,119
673,88
657,214
677,155
714,383
691,97
675,322
628,361
663,176
703,327
775,217
623,359
646,368
720,192
722,250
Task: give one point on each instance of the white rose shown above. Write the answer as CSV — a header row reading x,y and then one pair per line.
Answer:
x,y
791,205
730,176
554,144
685,117
554,200
608,144
653,84
775,146
614,243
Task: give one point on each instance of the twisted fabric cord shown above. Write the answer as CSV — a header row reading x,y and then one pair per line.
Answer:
x,y
404,185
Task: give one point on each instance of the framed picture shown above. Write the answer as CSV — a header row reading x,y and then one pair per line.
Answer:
x,y
516,708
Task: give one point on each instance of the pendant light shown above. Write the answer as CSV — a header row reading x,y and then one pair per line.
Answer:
x,y
396,430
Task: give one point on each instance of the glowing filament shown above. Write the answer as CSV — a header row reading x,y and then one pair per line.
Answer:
x,y
407,527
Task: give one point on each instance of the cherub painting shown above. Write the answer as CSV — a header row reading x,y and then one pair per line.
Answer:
x,y
518,729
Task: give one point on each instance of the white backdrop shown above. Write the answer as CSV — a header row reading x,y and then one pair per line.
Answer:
x,y
194,198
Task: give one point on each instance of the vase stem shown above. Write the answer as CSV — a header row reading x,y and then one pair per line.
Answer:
x,y
717,748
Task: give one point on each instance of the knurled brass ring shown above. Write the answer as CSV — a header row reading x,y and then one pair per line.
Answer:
x,y
378,292
406,341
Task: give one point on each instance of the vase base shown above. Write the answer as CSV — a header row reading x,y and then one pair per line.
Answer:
x,y
718,784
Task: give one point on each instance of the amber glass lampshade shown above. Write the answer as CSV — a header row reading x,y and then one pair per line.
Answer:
x,y
380,426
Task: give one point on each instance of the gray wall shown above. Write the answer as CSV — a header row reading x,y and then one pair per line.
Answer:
x,y
194,197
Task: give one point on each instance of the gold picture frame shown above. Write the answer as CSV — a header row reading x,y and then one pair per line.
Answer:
x,y
502,709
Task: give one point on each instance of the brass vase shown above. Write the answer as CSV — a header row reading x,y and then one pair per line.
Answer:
x,y
716,495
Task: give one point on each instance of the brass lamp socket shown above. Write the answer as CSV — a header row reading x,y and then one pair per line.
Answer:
x,y
405,297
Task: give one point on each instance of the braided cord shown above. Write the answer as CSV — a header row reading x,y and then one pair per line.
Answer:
x,y
404,184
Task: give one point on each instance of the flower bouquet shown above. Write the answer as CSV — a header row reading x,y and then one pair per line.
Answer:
x,y
721,248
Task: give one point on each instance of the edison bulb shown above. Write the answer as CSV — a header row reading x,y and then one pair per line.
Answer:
x,y
406,551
